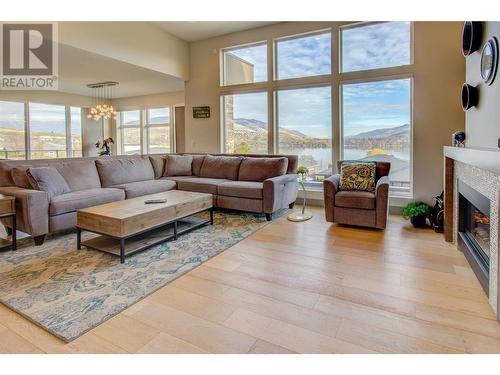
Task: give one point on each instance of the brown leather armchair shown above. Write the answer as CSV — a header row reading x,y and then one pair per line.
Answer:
x,y
360,208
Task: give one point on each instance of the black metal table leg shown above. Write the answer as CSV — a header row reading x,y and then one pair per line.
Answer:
x,y
122,250
175,230
78,239
211,216
14,232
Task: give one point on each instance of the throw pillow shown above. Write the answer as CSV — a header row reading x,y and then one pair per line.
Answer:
x,y
260,169
48,179
20,177
358,176
178,165
225,167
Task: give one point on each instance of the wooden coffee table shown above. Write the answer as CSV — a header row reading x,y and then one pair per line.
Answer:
x,y
142,225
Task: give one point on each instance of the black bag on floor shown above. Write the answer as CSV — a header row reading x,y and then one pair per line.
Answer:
x,y
437,214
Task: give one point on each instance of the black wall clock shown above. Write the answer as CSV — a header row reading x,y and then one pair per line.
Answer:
x,y
489,60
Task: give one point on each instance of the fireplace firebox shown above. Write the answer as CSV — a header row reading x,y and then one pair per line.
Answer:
x,y
474,231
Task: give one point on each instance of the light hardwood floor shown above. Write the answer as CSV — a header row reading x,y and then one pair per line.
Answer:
x,y
306,287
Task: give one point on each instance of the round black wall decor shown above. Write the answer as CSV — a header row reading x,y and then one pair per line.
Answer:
x,y
470,96
472,34
489,60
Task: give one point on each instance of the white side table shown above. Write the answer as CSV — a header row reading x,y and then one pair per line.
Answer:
x,y
301,215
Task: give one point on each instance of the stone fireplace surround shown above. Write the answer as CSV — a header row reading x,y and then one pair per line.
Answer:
x,y
480,169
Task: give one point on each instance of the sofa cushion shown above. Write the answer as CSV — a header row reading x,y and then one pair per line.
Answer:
x,y
178,165
355,199
122,171
82,199
81,175
197,163
175,178
200,184
240,204
260,169
158,164
225,167
242,189
48,179
140,188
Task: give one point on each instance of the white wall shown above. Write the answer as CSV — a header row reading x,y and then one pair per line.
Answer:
x,y
483,121
47,97
149,101
138,43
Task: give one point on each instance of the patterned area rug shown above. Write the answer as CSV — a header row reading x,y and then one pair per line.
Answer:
x,y
69,292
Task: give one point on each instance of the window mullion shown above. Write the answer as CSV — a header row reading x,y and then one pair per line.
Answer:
x,y
336,107
27,131
69,146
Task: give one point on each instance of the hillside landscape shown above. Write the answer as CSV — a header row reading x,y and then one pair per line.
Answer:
x,y
254,133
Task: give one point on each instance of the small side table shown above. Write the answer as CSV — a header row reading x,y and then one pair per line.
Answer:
x,y
303,215
8,209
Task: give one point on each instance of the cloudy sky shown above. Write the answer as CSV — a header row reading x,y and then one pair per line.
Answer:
x,y
366,106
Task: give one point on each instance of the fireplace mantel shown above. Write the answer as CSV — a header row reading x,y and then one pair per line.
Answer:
x,y
484,158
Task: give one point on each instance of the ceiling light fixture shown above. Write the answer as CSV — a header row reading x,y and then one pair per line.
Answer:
x,y
102,94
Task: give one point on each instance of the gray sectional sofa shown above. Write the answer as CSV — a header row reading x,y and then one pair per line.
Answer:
x,y
255,183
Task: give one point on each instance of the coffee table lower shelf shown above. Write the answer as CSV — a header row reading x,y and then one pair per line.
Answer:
x,y
132,244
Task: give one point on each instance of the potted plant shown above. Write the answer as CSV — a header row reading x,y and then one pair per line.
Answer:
x,y
302,172
417,212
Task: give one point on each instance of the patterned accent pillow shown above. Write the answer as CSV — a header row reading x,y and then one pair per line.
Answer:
x,y
358,176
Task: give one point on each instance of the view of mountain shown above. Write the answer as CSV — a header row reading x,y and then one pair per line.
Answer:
x,y
392,139
397,131
395,138
251,123
247,129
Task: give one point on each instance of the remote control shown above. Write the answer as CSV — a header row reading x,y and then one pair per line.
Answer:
x,y
153,201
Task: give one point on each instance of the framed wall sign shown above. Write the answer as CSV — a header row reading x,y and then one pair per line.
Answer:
x,y
201,112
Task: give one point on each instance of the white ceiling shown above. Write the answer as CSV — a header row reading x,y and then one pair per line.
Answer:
x,y
192,31
77,68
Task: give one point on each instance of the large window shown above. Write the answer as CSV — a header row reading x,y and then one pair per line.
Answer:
x,y
146,131
376,119
76,132
159,130
12,130
244,64
375,46
304,56
305,128
245,123
315,107
47,131
131,132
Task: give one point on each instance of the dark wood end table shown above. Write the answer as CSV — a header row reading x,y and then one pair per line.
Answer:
x,y
8,210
